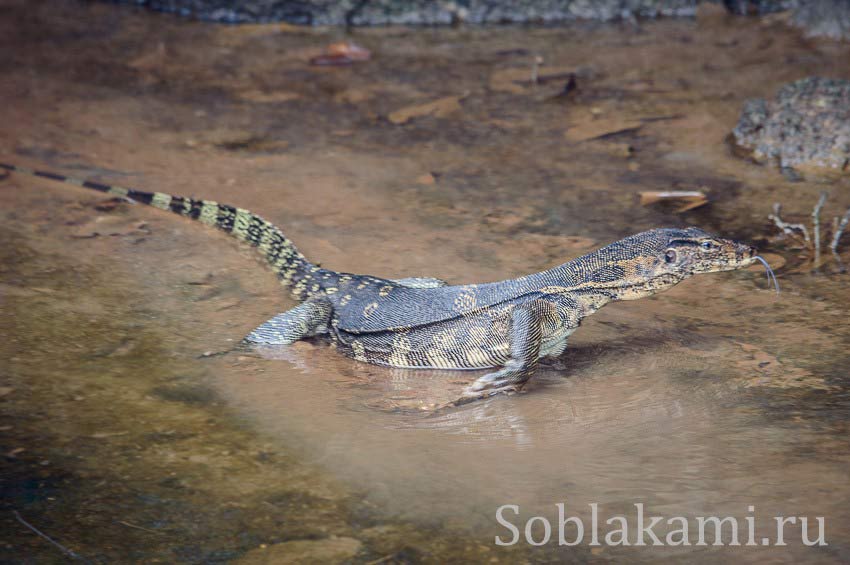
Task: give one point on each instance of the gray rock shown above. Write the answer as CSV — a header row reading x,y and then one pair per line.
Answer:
x,y
429,12
806,127
757,7
418,12
824,18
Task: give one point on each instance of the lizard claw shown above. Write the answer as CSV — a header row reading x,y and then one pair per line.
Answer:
x,y
478,392
470,395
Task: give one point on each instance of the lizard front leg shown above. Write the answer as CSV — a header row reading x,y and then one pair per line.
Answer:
x,y
305,320
525,335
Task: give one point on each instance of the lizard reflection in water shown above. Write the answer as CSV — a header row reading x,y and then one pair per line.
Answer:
x,y
426,323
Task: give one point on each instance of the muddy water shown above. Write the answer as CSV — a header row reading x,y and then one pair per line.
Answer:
x,y
125,439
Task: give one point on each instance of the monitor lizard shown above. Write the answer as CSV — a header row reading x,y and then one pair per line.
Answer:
x,y
425,322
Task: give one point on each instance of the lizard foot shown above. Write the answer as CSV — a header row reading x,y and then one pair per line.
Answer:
x,y
471,395
509,379
513,374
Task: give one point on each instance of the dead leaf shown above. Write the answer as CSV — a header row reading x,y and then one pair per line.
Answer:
x,y
510,80
601,127
109,204
4,390
426,180
355,95
150,60
519,80
104,435
253,144
259,30
255,95
109,225
237,140
683,200
345,53
350,50
504,220
225,304
439,108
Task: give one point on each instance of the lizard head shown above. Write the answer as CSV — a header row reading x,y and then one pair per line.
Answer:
x,y
658,259
694,251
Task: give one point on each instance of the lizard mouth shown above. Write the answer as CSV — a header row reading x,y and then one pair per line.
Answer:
x,y
652,285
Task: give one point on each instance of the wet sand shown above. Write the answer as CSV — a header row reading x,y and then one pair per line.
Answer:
x,y
124,441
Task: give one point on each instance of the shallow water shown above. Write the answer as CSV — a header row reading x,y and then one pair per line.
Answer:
x,y
701,401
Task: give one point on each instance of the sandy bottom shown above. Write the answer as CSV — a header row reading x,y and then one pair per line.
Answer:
x,y
124,439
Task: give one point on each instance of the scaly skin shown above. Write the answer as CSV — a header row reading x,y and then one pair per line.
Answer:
x,y
424,323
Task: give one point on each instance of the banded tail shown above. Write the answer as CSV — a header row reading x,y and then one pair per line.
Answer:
x,y
291,267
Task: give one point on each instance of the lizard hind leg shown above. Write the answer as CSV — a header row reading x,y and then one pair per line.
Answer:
x,y
305,320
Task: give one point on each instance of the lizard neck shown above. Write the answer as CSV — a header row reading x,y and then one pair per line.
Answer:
x,y
600,277
623,270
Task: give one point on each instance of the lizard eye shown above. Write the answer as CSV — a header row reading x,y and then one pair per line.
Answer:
x,y
707,245
670,256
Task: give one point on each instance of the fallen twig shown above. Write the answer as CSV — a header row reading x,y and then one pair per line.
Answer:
x,y
56,544
787,228
816,226
814,244
383,559
129,525
837,232
685,199
535,69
